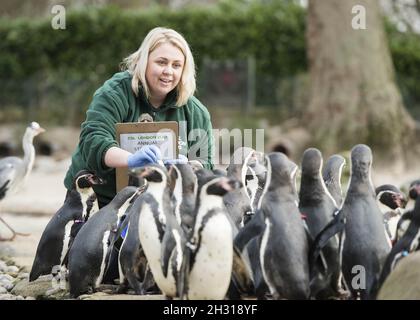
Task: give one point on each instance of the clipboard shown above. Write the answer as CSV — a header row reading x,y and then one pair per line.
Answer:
x,y
132,136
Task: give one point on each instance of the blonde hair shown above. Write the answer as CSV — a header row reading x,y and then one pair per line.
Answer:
x,y
136,63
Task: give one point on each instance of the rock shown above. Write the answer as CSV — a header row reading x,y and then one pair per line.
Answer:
x,y
9,286
403,283
7,296
3,266
37,288
12,269
5,284
6,277
104,296
3,290
13,274
24,275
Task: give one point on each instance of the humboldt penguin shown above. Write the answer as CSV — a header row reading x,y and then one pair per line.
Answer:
x,y
159,235
89,252
211,241
318,207
331,174
238,202
391,197
365,246
184,183
56,239
410,240
284,242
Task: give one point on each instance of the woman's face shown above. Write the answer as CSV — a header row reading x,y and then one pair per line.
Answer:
x,y
164,70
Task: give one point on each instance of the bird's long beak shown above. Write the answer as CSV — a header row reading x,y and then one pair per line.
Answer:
x,y
40,130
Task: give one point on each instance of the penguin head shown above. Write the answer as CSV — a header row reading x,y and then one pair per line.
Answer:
x,y
391,196
361,161
153,173
281,170
311,162
256,165
87,179
414,189
219,186
238,162
334,167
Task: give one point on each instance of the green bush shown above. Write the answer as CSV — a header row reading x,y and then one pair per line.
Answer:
x,y
36,60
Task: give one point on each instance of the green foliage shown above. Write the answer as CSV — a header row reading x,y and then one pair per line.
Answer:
x,y
101,38
35,59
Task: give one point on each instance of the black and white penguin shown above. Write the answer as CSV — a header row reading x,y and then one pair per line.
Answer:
x,y
390,197
284,243
89,252
331,174
79,205
365,246
238,202
406,217
132,264
211,241
158,233
410,241
318,207
185,186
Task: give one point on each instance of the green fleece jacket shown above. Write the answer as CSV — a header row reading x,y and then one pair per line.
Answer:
x,y
115,102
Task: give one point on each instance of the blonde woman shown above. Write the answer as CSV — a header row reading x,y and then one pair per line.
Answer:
x,y
159,80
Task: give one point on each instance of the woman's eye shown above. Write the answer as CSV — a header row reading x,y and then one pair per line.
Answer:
x,y
161,62
177,65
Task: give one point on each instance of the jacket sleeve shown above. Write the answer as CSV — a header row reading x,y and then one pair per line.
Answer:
x,y
201,140
98,131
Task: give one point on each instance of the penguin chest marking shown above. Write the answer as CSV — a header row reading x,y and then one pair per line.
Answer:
x,y
104,252
149,239
210,275
66,240
264,243
178,199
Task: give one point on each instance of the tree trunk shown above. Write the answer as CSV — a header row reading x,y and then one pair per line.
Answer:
x,y
353,95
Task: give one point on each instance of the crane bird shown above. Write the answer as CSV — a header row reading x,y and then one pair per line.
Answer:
x,y
14,171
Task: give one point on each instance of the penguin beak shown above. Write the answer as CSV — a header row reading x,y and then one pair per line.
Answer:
x,y
39,130
146,172
141,172
399,200
95,180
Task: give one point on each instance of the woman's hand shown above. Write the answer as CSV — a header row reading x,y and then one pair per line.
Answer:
x,y
146,155
181,159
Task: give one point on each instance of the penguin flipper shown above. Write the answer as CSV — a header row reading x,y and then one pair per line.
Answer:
x,y
252,229
168,245
3,189
331,229
182,277
241,273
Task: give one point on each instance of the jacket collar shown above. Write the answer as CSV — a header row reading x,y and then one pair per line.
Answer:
x,y
169,102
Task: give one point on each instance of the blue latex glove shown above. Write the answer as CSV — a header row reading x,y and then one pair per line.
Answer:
x,y
146,155
181,159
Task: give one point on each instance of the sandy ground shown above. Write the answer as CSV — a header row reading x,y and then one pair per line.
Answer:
x,y
43,194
